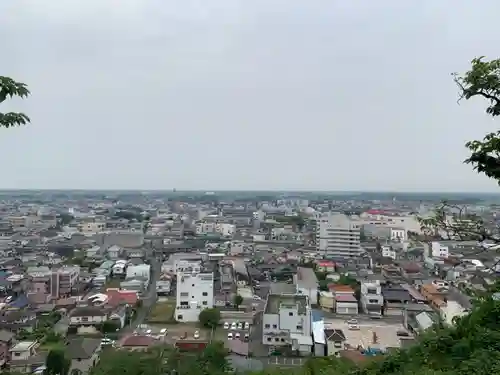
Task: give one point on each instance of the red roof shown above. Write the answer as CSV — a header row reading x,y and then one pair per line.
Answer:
x,y
138,340
118,297
375,212
326,263
345,298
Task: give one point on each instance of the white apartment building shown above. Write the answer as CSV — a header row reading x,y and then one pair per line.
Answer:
x,y
438,250
224,229
338,236
195,292
94,227
371,298
398,234
388,252
287,321
407,222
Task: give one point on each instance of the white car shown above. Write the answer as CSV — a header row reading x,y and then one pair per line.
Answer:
x,y
247,325
229,336
240,325
196,334
353,327
352,321
237,335
233,326
148,332
226,325
163,331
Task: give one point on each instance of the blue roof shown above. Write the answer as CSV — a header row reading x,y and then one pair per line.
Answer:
x,y
20,302
317,315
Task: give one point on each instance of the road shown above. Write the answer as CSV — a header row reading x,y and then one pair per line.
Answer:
x,y
149,299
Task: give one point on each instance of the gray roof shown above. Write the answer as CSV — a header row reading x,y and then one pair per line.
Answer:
x,y
306,278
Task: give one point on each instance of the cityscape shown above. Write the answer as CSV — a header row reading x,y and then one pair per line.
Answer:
x,y
276,277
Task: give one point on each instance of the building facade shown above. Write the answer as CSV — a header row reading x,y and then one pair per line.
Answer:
x,y
195,292
338,236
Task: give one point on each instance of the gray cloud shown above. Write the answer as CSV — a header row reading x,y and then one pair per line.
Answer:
x,y
234,94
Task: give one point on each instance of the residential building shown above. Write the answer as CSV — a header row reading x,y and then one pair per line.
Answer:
x,y
389,252
6,341
438,250
195,292
307,284
287,322
83,353
338,236
63,280
92,227
335,340
345,301
23,350
371,298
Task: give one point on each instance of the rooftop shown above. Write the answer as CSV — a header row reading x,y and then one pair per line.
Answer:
x,y
306,277
22,346
275,301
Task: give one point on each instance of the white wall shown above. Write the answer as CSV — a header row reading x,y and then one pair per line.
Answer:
x,y
195,292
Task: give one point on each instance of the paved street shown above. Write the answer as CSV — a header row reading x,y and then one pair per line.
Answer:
x,y
149,299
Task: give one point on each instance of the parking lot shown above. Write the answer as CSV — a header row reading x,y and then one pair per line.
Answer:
x,y
283,361
381,335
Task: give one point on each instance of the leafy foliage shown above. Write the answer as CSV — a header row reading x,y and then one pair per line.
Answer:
x,y
57,363
8,89
238,300
209,317
483,80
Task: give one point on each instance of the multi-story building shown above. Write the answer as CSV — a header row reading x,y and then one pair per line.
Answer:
x,y
439,251
63,280
56,282
287,322
94,227
195,292
338,236
371,298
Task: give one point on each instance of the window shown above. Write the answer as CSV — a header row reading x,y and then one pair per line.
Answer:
x,y
277,339
299,328
267,326
290,313
184,294
275,326
184,304
192,285
268,339
85,319
205,302
205,294
179,317
282,340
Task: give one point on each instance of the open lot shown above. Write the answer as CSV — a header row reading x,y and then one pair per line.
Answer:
x,y
385,332
162,312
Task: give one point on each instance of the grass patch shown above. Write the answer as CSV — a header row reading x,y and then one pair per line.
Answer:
x,y
162,312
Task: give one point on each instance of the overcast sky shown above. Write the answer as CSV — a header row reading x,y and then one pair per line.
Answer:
x,y
244,94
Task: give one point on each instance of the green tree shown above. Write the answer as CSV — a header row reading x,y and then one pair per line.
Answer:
x,y
454,220
110,326
209,318
238,300
57,363
9,89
